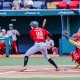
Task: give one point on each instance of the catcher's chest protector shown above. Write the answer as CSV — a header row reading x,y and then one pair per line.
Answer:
x,y
78,51
75,57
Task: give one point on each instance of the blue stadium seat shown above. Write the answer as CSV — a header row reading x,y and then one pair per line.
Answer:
x,y
39,4
6,5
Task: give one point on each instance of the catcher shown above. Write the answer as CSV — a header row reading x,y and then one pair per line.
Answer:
x,y
76,42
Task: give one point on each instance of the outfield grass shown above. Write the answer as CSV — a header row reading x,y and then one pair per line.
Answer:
x,y
40,78
33,61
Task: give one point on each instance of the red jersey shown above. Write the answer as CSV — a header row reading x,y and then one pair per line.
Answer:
x,y
38,34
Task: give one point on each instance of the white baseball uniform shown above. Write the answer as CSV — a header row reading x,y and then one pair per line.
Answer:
x,y
12,34
49,43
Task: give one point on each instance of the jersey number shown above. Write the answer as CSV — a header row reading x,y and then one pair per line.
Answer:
x,y
39,35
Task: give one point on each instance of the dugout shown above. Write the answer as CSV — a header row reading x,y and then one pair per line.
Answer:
x,y
21,23
57,21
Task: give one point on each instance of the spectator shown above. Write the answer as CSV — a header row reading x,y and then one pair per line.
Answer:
x,y
50,45
0,31
28,4
13,33
15,5
2,42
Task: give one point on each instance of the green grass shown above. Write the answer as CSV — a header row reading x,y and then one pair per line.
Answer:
x,y
40,78
33,61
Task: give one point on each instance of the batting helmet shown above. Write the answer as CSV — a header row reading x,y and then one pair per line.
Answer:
x,y
34,23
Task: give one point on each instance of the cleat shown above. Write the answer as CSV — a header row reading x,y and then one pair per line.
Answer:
x,y
24,68
78,66
57,69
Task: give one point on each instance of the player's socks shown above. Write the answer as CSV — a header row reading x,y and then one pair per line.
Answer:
x,y
52,62
25,60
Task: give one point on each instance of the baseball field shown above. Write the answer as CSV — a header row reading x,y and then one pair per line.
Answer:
x,y
38,68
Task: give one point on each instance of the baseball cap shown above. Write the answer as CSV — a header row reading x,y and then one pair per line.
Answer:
x,y
3,30
11,25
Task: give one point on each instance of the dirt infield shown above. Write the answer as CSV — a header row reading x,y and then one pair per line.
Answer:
x,y
38,71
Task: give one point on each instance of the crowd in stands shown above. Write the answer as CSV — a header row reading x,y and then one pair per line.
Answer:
x,y
38,4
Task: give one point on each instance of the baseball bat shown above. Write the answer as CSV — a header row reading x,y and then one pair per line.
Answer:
x,y
73,42
44,23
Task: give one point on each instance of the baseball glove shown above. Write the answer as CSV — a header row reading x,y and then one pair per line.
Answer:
x,y
65,34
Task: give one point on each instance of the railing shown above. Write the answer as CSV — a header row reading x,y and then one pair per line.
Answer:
x,y
39,12
7,45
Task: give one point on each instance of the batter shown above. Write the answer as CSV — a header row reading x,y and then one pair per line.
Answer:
x,y
39,36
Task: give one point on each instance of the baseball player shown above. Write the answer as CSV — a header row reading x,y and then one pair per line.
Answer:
x,y
13,33
76,42
50,45
2,42
38,35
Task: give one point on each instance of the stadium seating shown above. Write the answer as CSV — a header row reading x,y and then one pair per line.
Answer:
x,y
62,5
41,4
38,4
56,0
52,5
6,6
67,0
73,5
